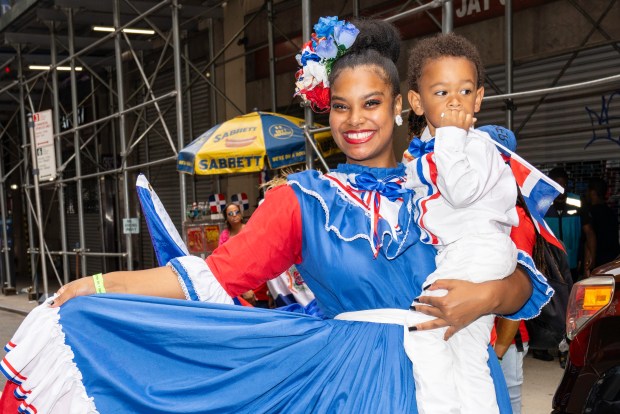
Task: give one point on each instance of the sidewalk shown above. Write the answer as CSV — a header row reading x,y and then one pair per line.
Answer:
x,y
17,303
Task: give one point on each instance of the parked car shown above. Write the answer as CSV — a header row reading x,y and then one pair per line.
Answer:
x,y
591,381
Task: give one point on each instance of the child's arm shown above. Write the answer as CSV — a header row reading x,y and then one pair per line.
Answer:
x,y
467,167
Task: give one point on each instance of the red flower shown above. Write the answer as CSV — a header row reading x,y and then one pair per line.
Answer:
x,y
319,97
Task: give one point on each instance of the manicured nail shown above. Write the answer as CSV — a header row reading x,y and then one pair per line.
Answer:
x,y
412,308
413,328
426,287
52,303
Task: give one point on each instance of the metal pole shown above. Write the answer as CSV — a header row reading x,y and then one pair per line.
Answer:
x,y
121,125
212,96
58,147
272,61
176,40
447,17
308,115
5,276
117,206
104,263
509,71
190,120
432,5
76,141
37,200
356,8
24,126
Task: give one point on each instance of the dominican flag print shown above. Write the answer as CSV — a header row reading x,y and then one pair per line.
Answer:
x,y
537,189
242,200
217,202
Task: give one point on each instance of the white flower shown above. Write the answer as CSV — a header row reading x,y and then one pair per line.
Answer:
x,y
317,72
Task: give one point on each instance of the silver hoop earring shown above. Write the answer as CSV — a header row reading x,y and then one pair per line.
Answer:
x,y
398,120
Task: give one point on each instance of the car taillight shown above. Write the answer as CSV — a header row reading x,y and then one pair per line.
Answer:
x,y
588,298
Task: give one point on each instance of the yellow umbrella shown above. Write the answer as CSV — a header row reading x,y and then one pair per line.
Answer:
x,y
241,144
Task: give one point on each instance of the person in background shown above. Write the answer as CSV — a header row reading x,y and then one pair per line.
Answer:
x,y
235,222
569,223
604,223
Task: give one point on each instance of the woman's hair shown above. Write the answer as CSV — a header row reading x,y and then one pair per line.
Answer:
x,y
228,226
377,44
439,46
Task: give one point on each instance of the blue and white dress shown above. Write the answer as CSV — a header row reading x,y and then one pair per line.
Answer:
x,y
351,235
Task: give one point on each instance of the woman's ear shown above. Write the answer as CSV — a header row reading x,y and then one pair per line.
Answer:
x,y
398,104
415,102
479,96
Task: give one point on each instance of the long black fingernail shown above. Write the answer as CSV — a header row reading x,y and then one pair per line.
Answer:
x,y
413,328
426,287
52,303
412,308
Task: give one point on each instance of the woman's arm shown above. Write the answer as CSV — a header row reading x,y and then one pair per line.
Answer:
x,y
506,331
161,281
467,301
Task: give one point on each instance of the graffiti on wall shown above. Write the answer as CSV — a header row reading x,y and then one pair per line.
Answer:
x,y
602,119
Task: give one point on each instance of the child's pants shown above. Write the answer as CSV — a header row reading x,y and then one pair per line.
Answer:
x,y
453,376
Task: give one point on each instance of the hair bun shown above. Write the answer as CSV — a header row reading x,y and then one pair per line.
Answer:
x,y
377,35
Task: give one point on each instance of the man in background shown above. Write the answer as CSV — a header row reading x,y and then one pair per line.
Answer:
x,y
604,222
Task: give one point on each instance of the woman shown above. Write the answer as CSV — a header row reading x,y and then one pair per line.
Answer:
x,y
352,237
234,222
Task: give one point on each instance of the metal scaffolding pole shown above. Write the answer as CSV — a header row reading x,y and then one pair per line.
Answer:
x,y
57,146
447,17
104,263
212,93
121,125
26,165
5,275
509,71
272,60
37,200
308,115
76,143
176,40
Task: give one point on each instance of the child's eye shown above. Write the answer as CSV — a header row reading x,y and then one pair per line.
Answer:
x,y
441,93
466,92
372,102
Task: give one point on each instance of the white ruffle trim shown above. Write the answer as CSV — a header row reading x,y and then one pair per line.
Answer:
x,y
198,281
41,362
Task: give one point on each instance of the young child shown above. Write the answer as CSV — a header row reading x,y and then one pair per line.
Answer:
x,y
465,196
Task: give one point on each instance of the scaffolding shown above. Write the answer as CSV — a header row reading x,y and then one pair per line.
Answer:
x,y
126,99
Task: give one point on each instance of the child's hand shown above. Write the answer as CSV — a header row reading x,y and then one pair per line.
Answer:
x,y
457,118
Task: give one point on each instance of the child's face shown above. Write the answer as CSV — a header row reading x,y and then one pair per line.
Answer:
x,y
447,84
362,116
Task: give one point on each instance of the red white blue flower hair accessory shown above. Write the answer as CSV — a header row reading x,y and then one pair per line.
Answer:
x,y
330,41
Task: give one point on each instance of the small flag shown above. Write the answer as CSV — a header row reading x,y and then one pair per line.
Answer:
x,y
217,202
242,200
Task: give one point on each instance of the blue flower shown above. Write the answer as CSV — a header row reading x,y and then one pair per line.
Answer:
x,y
306,56
327,49
345,33
325,26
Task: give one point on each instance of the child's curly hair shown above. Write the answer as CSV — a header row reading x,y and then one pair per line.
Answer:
x,y
438,46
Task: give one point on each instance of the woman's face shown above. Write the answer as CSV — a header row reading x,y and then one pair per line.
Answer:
x,y
233,214
447,83
362,116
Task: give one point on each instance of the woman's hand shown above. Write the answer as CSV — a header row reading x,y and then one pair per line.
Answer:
x,y
467,301
80,287
464,303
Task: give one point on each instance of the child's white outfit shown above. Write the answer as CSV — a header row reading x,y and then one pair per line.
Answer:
x,y
465,196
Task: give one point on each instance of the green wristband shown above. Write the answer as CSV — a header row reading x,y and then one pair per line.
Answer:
x,y
98,279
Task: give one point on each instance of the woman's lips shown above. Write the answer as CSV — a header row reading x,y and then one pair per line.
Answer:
x,y
358,137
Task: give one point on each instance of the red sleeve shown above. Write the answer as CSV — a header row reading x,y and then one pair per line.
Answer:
x,y
524,235
266,246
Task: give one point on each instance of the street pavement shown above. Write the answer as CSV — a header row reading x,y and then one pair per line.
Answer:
x,y
540,377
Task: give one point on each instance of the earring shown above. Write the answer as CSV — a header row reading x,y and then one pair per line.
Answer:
x,y
398,120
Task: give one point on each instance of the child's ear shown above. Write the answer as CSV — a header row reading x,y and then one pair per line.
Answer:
x,y
415,102
479,96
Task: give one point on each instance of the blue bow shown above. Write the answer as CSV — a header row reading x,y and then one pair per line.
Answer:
x,y
418,148
386,187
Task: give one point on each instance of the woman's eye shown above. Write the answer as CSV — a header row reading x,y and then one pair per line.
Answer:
x,y
339,106
372,102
